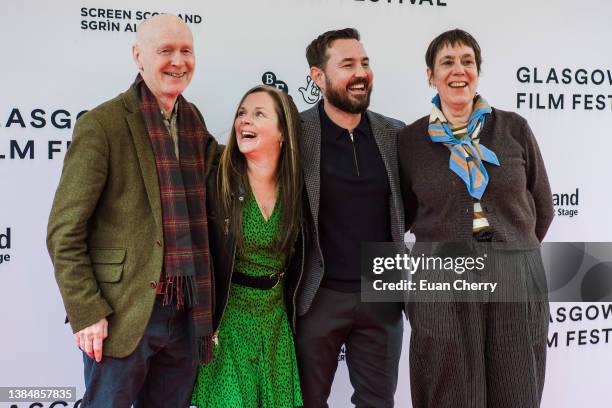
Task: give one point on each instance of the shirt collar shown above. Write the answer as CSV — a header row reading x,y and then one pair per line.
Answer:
x,y
173,114
338,131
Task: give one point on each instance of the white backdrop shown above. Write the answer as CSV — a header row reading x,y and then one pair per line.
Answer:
x,y
54,65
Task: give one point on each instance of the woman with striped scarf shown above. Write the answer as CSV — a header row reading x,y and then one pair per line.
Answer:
x,y
472,173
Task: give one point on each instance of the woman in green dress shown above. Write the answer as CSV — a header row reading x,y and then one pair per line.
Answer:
x,y
255,225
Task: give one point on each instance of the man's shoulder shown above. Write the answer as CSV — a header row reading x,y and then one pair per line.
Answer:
x,y
385,121
110,111
311,122
310,114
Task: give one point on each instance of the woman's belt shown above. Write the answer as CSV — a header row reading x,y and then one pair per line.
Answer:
x,y
258,282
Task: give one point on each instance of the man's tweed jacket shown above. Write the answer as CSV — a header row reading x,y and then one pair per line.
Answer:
x,y
105,233
385,132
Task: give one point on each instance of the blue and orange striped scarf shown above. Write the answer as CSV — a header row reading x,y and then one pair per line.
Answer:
x,y
467,155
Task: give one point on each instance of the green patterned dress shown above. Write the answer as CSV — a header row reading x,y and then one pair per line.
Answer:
x,y
254,364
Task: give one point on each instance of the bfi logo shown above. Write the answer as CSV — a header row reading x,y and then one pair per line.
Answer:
x,y
269,78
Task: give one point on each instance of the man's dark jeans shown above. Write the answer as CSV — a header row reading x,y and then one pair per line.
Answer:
x,y
159,373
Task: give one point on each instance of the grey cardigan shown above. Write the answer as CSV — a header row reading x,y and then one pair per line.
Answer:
x,y
517,201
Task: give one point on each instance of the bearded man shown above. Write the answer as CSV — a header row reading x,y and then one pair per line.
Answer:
x,y
351,176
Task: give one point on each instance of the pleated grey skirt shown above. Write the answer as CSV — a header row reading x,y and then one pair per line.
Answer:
x,y
483,351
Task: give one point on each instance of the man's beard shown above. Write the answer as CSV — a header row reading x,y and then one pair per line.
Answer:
x,y
340,97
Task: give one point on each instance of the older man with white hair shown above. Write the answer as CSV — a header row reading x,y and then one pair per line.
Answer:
x,y
128,234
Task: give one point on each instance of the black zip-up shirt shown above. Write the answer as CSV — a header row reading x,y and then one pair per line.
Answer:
x,y
354,202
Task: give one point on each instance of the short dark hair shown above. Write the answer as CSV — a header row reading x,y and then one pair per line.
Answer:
x,y
452,38
316,52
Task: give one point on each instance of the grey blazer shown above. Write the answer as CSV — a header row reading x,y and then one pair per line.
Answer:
x,y
385,132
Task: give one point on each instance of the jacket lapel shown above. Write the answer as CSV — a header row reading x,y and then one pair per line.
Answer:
x,y
312,159
144,153
384,137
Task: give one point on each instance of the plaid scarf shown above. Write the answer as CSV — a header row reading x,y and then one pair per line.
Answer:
x,y
186,269
466,154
